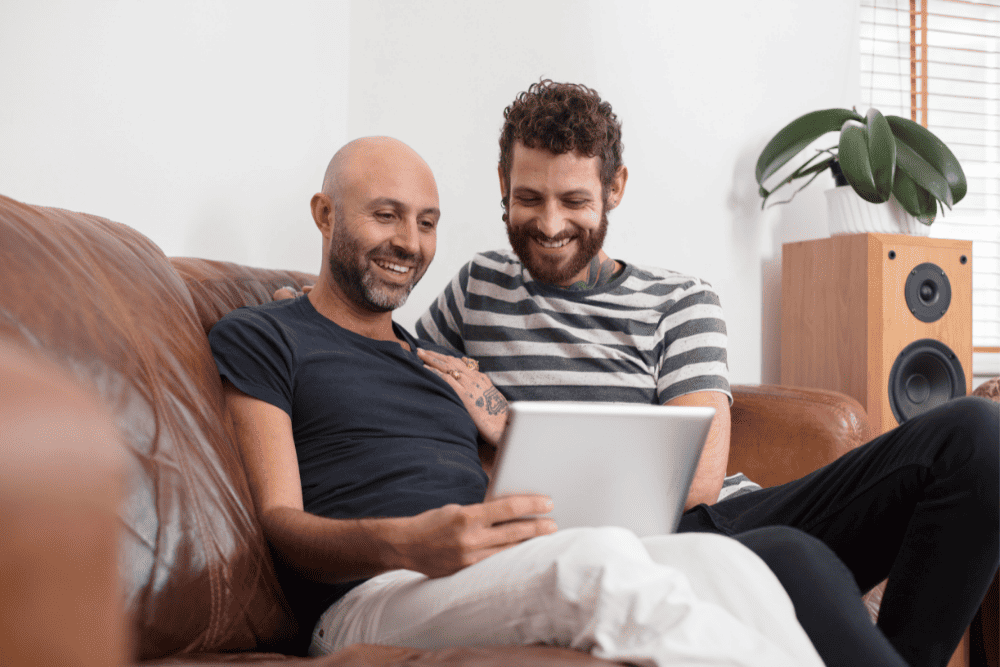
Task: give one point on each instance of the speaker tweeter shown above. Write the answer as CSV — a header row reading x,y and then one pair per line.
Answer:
x,y
928,292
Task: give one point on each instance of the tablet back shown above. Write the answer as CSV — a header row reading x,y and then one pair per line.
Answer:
x,y
604,464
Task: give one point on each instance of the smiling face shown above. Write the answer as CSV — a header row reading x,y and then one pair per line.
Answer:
x,y
556,217
383,236
377,278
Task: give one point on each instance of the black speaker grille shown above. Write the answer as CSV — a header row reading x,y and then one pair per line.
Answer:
x,y
925,375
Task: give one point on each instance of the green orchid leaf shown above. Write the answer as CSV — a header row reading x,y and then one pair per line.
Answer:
x,y
921,171
881,152
798,134
926,144
914,199
854,162
937,207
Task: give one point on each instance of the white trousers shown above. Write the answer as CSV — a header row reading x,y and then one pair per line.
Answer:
x,y
689,599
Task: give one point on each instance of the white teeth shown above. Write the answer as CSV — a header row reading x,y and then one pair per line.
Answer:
x,y
396,268
553,244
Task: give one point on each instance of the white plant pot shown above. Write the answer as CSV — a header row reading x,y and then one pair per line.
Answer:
x,y
847,213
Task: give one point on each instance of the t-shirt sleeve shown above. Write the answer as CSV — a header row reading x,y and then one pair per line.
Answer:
x,y
443,321
251,352
693,356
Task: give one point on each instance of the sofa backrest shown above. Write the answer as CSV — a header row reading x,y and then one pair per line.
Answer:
x,y
219,287
104,302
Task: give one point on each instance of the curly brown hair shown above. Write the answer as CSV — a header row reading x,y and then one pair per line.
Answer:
x,y
563,117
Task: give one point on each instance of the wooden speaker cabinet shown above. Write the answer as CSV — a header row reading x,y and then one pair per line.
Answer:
x,y
884,318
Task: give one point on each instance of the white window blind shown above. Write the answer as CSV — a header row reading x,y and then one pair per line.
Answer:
x,y
937,62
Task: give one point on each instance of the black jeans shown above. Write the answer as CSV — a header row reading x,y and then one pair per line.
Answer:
x,y
917,505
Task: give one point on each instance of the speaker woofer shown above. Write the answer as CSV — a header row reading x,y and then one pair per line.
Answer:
x,y
925,375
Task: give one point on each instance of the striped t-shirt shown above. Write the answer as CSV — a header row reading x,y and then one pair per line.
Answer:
x,y
648,336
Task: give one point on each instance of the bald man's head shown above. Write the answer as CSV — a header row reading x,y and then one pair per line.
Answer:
x,y
365,154
378,212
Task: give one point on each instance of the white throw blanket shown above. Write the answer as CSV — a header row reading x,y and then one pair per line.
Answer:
x,y
689,599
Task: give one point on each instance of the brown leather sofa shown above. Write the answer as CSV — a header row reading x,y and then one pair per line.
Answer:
x,y
130,535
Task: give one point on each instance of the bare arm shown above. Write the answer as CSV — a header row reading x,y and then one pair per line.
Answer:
x,y
715,457
437,542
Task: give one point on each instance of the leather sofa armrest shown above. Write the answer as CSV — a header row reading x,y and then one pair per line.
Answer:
x,y
60,484
782,433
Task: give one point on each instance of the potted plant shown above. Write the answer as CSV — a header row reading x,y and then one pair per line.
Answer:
x,y
882,159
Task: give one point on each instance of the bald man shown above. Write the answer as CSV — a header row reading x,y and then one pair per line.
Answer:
x,y
366,453
378,214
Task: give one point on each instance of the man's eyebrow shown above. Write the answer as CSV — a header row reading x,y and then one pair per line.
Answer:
x,y
523,190
386,201
400,206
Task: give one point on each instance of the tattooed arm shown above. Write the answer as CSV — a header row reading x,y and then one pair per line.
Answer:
x,y
486,405
494,403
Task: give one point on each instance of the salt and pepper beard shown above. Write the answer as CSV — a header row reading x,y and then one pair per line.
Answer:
x,y
590,243
351,269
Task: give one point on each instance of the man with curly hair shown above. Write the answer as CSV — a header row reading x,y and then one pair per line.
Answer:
x,y
557,319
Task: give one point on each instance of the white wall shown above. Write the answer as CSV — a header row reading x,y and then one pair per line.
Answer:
x,y
207,125
204,125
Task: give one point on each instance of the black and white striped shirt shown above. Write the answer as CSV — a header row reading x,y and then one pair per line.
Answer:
x,y
648,336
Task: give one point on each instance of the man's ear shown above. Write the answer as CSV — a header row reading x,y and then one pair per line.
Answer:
x,y
322,212
503,185
618,187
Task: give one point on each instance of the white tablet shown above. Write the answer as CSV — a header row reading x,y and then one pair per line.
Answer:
x,y
604,464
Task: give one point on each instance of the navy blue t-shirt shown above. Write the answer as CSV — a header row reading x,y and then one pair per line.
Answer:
x,y
376,433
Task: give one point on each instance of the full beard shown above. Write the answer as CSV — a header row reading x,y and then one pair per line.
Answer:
x,y
544,269
353,273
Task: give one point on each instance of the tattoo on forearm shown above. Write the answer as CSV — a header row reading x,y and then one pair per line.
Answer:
x,y
496,404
